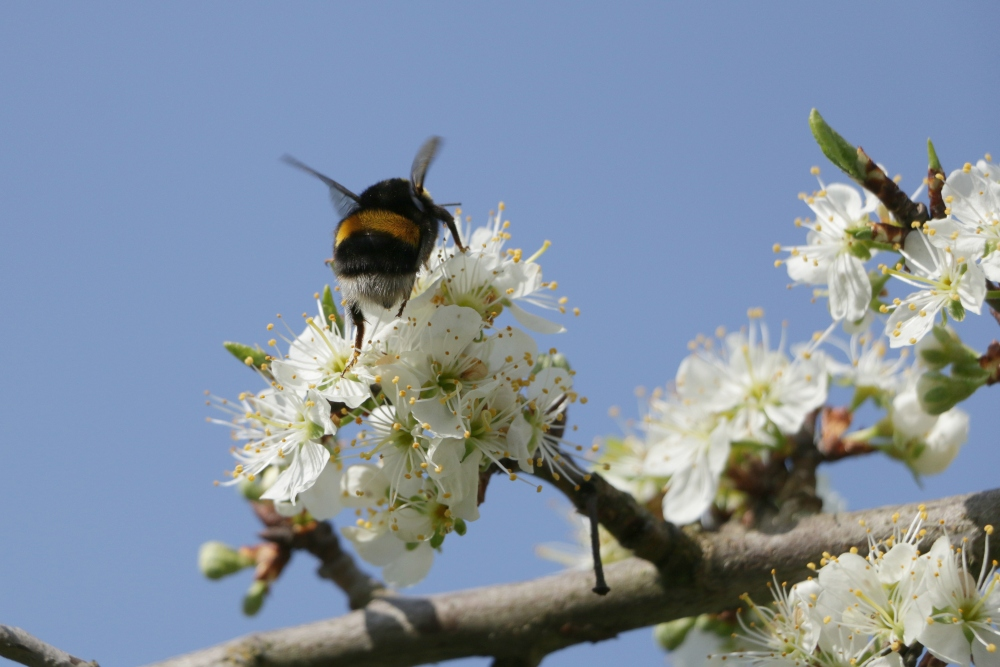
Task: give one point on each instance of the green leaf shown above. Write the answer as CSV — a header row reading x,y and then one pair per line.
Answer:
x,y
932,158
835,147
330,309
251,356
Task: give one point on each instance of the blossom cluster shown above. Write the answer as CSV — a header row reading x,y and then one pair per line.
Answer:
x,y
864,611
944,262
739,401
436,397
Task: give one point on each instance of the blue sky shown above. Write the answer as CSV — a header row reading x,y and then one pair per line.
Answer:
x,y
145,218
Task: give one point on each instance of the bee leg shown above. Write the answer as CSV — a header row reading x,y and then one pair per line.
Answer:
x,y
359,337
402,306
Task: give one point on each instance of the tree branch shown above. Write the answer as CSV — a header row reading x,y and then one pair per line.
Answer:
x,y
521,623
19,646
319,539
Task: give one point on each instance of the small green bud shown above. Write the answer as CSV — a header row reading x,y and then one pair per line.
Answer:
x,y
932,158
250,489
251,356
217,560
254,598
437,540
460,526
672,634
835,147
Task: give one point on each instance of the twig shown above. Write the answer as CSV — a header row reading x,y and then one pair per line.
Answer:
x,y
601,586
319,539
526,621
19,646
645,535
894,199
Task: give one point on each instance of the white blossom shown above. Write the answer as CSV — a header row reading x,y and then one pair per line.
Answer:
x,y
830,256
962,610
285,430
761,391
867,366
972,225
944,281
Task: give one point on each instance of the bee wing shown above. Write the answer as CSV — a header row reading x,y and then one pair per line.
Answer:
x,y
422,162
345,201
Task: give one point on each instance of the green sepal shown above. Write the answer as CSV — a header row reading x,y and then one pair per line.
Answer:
x,y
932,158
469,448
860,250
460,526
551,361
672,634
939,393
864,233
935,358
243,352
330,308
437,540
835,147
878,281
956,310
410,546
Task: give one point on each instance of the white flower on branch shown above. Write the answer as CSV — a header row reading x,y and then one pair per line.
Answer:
x,y
285,430
961,610
972,228
867,367
317,358
945,281
832,255
760,390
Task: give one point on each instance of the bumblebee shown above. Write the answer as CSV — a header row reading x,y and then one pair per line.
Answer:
x,y
383,237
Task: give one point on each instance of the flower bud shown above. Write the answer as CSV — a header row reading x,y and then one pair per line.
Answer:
x,y
942,444
254,599
250,489
925,442
217,560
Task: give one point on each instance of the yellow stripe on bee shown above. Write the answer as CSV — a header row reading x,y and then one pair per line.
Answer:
x,y
377,220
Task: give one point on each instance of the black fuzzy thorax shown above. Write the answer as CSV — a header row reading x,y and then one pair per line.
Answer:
x,y
367,253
